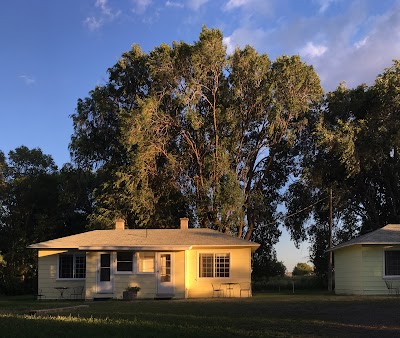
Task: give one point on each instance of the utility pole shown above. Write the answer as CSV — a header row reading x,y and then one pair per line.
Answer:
x,y
330,243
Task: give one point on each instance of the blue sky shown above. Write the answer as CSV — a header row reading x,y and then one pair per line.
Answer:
x,y
53,52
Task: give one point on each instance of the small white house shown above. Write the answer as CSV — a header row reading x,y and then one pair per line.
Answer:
x,y
163,263
369,264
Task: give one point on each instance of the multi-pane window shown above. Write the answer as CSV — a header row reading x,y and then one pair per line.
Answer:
x,y
206,265
392,263
80,266
125,261
222,265
214,264
146,262
72,266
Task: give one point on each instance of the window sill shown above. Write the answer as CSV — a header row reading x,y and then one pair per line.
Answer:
x,y
70,279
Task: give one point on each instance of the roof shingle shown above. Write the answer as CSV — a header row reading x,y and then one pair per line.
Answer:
x,y
151,239
389,234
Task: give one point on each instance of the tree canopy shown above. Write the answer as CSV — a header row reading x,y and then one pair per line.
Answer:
x,y
189,129
302,269
350,146
235,142
37,202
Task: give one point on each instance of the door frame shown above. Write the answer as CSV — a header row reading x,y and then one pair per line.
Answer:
x,y
104,288
165,288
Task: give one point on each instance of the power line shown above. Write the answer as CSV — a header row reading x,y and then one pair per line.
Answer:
x,y
297,212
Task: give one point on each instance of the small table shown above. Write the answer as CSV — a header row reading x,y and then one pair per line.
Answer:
x,y
61,289
229,287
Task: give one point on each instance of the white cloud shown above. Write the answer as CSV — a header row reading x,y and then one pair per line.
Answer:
x,y
246,36
313,51
107,14
361,61
227,41
352,44
258,8
196,4
324,5
29,81
92,23
174,4
361,43
106,10
231,4
140,6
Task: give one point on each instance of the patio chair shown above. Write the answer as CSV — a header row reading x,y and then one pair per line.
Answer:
x,y
77,292
245,287
40,295
392,287
217,290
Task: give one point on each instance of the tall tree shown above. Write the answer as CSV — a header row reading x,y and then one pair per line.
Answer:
x,y
214,131
28,211
351,146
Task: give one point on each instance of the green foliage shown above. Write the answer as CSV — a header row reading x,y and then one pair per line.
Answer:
x,y
302,269
37,203
285,284
350,145
195,131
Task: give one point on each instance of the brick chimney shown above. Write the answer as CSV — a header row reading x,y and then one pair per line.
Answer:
x,y
184,223
119,224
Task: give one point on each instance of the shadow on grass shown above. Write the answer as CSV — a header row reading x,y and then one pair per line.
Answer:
x,y
261,316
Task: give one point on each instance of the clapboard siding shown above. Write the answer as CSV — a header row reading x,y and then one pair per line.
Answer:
x,y
359,269
240,271
47,275
185,277
348,270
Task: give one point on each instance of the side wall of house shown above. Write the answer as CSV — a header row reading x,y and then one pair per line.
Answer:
x,y
359,269
372,270
348,266
240,271
47,275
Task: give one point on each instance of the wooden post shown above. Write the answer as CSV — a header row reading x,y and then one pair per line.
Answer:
x,y
330,243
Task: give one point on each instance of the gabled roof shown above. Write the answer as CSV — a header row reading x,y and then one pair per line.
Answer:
x,y
142,239
388,235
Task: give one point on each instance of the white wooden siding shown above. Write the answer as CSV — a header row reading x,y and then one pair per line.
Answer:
x,y
348,263
240,271
359,269
47,275
185,275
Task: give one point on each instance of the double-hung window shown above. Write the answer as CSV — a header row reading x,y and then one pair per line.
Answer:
x,y
392,263
146,262
125,261
214,264
72,266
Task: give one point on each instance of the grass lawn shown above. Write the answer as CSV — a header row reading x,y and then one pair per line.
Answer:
x,y
264,315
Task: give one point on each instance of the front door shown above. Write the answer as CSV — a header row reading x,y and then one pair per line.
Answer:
x,y
165,283
104,274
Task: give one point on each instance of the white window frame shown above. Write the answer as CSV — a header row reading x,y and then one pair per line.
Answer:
x,y
132,271
214,254
138,263
74,256
384,264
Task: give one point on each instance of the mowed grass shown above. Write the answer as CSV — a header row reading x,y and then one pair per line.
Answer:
x,y
264,315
